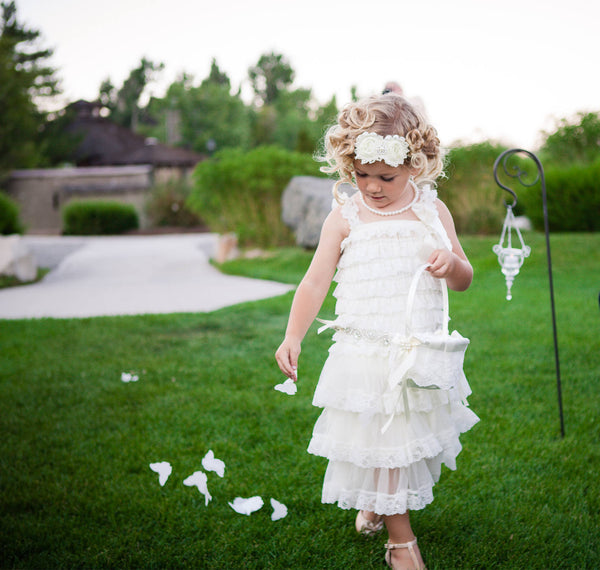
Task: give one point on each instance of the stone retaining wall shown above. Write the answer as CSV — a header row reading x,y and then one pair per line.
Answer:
x,y
42,193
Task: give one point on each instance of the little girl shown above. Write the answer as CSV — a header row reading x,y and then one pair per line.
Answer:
x,y
385,450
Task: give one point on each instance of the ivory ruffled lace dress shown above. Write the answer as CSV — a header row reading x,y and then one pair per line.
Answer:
x,y
385,448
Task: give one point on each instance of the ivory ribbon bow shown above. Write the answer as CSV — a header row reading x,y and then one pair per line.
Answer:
x,y
402,358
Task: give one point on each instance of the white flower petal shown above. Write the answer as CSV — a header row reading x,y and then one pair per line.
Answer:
x,y
128,377
199,479
210,463
279,510
164,469
288,387
246,506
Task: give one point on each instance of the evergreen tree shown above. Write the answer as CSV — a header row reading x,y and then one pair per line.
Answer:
x,y
217,77
25,80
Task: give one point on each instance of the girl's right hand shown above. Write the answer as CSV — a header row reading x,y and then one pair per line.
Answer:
x,y
287,358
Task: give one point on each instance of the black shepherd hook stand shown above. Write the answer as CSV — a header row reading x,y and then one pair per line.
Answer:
x,y
516,172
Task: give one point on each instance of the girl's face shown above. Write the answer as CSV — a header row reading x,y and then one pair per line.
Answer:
x,y
382,186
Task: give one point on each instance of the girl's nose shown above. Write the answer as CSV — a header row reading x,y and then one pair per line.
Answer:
x,y
373,186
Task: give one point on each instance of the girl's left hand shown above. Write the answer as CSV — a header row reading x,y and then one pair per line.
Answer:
x,y
287,358
441,263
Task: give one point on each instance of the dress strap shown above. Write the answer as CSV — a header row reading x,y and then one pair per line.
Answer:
x,y
349,209
426,210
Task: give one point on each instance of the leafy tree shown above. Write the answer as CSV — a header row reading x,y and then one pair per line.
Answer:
x,y
270,76
124,104
286,117
107,94
324,117
264,125
575,140
294,122
209,117
212,119
25,79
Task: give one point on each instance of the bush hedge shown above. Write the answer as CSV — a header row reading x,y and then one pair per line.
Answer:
x,y
575,140
240,192
91,217
10,222
470,191
573,199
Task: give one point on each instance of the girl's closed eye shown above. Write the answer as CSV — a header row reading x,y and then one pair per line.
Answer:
x,y
364,175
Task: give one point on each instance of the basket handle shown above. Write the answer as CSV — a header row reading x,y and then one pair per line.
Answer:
x,y
411,299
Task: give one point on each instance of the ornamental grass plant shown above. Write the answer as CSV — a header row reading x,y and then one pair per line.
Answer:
x,y
76,489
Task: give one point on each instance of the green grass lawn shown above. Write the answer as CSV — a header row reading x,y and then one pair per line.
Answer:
x,y
77,490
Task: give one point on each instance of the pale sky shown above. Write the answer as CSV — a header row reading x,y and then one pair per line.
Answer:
x,y
484,69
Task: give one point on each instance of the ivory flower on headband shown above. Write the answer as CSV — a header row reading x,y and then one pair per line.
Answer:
x,y
371,147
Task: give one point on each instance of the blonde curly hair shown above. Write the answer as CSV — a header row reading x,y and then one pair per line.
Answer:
x,y
388,114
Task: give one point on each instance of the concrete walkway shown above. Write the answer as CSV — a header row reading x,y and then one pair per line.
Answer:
x,y
129,275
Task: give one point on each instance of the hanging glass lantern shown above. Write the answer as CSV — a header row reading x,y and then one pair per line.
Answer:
x,y
510,258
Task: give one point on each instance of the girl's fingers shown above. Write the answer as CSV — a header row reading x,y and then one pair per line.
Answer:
x,y
439,271
287,363
292,368
284,366
440,263
287,358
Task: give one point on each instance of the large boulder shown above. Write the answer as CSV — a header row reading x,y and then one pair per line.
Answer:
x,y
16,259
305,203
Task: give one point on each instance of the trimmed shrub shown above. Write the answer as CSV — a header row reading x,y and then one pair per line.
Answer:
x,y
90,217
240,192
9,216
573,199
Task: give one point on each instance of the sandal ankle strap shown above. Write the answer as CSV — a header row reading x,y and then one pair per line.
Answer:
x,y
402,545
410,545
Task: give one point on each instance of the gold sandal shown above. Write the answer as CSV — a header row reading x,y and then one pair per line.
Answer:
x,y
365,526
411,550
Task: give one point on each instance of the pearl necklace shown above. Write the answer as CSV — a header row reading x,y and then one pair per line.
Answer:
x,y
393,212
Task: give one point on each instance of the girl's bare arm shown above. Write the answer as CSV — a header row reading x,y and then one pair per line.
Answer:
x,y
453,266
311,292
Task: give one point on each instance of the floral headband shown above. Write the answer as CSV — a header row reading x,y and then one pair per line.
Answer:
x,y
371,147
